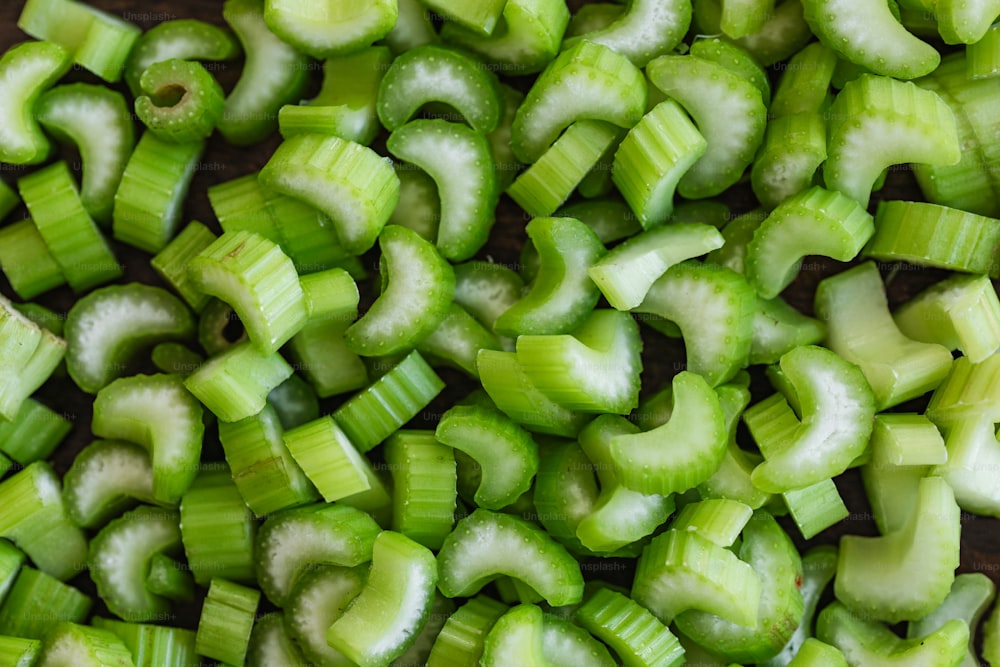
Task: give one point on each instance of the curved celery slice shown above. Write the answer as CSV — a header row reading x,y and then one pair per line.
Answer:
x,y
217,529
119,559
729,112
434,73
565,491
424,486
458,159
561,296
107,327
866,33
836,407
740,18
226,621
157,412
28,356
457,340
107,477
814,222
587,80
486,290
794,147
965,22
611,219
194,115
736,59
234,384
97,120
186,39
319,598
804,85
782,34
25,71
877,121
348,182
970,469
982,60
385,618
330,28
970,596
566,644
271,643
83,645
645,30
779,328
636,636
860,329
927,544
485,545
460,641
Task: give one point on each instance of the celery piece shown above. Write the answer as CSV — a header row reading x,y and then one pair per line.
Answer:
x,y
152,645
330,460
967,391
646,29
83,645
461,640
226,621
778,328
793,148
26,261
965,22
19,652
319,598
182,101
25,71
34,433
611,218
973,454
217,529
184,39
816,507
11,561
565,492
636,636
804,84
457,341
336,27
970,596
234,384
107,477
271,643
516,638
38,602
718,520
424,486
172,260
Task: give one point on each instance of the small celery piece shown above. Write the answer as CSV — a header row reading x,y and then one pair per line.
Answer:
x,y
481,17
34,433
271,643
814,653
744,17
991,635
155,411
728,110
860,328
108,327
714,308
878,576
420,648
968,391
933,235
265,473
655,154
813,222
778,328
424,486
836,407
291,542
516,638
274,74
19,652
595,368
611,218
681,570
965,22
457,340
565,491
983,56
867,34
793,148
970,596
295,402
169,578
562,295
645,30
107,477
319,598
385,618
485,545
783,33
182,102
865,641
322,356
735,58
172,260
332,28
234,384
11,560
37,602
461,639
506,452
152,645
217,529
330,460
815,507
98,122
226,621
970,469
26,261
120,556
636,636
348,182
28,356
696,434
26,70
804,84
70,233
9,199
526,39
184,39
876,122
587,80
86,646
435,74
486,290
149,202
737,232
718,520
549,182
259,281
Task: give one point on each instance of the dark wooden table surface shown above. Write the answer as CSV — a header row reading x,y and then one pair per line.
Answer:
x,y
981,535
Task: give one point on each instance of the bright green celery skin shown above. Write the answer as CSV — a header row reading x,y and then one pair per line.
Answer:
x,y
37,601
982,56
905,122
155,411
348,182
322,356
457,341
332,29
506,452
729,112
191,118
83,645
549,182
566,643
70,233
152,645
743,17
19,652
836,407
217,529
226,621
436,74
26,261
273,75
34,433
460,641
424,486
585,81
783,33
393,605
107,477
965,22
653,157
779,327
96,120
185,39
486,544
29,355
527,38
813,222
516,638
149,200
481,18
966,392
11,561
270,643
171,262
714,308
737,59
645,30
99,349
973,453
866,641
877,576
565,493
737,232
26,70
318,599
636,636
815,507
719,520
933,235
611,218
793,148
860,328
815,653
970,596
804,85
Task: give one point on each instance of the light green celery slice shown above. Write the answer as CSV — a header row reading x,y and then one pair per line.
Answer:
x,y
194,115
967,391
29,354
566,644
331,27
35,433
460,641
107,477
961,312
983,56
217,528
636,636
611,218
735,58
743,17
860,328
226,621
804,84
486,289
172,260
794,147
320,597
186,39
813,222
11,561
26,261
19,652
424,486
718,520
84,646
234,384
152,645
656,153
965,22
271,643
457,341
814,653
516,639
25,71
876,122
329,459
728,111
37,602
646,29
591,17
480,17
783,34
778,328
970,596
991,635
972,463
815,507
419,206
566,492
